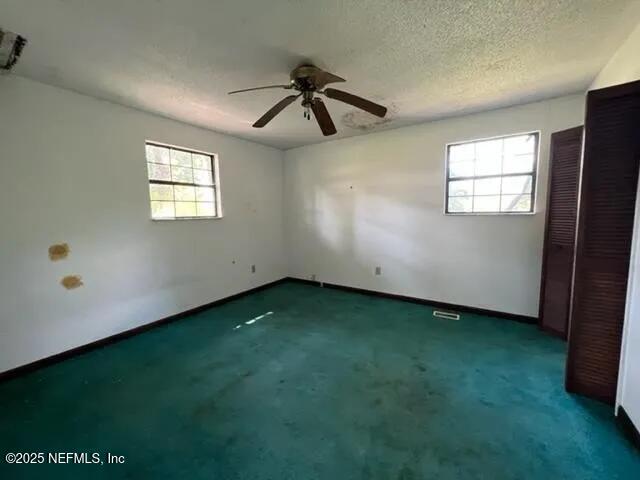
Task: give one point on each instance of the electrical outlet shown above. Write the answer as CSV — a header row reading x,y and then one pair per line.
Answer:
x,y
378,270
313,277
253,269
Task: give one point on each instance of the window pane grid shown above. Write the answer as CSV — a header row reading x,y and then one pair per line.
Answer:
x,y
492,176
181,183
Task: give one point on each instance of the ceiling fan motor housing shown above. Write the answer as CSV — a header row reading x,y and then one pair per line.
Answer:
x,y
303,78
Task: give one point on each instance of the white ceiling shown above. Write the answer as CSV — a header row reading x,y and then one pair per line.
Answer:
x,y
423,59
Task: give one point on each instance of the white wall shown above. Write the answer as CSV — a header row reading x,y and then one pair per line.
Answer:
x,y
72,169
378,199
624,67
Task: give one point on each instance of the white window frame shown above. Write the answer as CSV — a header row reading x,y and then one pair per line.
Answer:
x,y
534,182
215,165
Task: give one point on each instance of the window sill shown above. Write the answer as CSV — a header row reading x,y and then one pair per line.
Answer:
x,y
491,214
178,219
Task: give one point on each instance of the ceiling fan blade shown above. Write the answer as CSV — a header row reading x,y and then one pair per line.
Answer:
x,y
359,102
323,118
275,110
260,88
322,78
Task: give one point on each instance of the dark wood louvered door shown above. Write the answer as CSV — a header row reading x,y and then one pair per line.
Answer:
x,y
560,231
605,227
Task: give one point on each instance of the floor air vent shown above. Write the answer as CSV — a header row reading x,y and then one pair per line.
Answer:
x,y
446,315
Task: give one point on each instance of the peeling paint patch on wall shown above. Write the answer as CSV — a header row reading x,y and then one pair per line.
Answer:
x,y
58,252
71,282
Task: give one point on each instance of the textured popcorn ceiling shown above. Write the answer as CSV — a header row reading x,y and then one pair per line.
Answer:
x,y
424,59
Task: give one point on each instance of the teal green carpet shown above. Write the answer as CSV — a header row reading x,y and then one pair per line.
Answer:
x,y
330,385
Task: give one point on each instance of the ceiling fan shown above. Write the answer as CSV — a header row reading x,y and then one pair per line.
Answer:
x,y
310,80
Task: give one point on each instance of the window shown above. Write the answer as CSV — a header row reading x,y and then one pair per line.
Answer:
x,y
182,183
496,175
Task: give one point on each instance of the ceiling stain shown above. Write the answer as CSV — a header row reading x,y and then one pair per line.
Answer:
x,y
363,121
